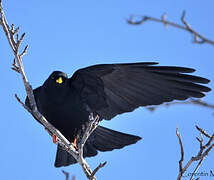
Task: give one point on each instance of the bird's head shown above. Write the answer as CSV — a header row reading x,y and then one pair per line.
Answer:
x,y
58,78
57,81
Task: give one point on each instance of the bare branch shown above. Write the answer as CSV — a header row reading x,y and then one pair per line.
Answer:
x,y
97,169
203,132
203,152
66,175
24,51
19,41
93,123
197,102
198,38
19,100
182,155
15,67
196,169
18,67
16,30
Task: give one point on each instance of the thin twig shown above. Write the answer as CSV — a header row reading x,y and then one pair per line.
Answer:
x,y
197,102
66,175
201,160
24,51
203,152
182,155
203,132
15,67
26,107
196,169
15,43
198,38
101,165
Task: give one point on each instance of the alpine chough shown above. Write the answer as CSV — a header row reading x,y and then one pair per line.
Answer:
x,y
108,90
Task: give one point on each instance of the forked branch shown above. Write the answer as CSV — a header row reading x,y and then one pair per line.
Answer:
x,y
66,175
198,38
203,152
15,41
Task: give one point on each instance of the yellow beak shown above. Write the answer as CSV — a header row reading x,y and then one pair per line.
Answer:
x,y
59,80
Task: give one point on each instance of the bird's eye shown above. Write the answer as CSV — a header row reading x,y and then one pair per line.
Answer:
x,y
59,80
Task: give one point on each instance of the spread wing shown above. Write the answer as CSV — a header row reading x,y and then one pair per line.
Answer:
x,y
112,89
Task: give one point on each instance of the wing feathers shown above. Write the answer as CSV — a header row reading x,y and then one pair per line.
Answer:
x,y
182,77
169,69
128,86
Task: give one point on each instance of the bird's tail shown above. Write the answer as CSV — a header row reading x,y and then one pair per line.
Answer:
x,y
102,139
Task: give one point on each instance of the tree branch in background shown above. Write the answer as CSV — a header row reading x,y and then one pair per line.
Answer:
x,y
182,152
197,102
15,41
97,169
198,38
66,175
203,152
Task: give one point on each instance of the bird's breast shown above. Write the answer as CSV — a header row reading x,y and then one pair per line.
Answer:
x,y
67,116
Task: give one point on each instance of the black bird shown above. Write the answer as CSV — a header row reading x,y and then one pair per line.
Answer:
x,y
108,90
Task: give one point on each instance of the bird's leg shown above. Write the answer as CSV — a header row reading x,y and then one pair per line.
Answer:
x,y
78,136
54,137
74,143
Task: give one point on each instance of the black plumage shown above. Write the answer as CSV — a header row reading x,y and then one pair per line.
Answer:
x,y
109,90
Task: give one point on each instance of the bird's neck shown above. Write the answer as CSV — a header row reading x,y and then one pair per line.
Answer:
x,y
59,95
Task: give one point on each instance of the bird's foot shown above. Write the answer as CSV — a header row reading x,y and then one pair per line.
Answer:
x,y
54,137
75,144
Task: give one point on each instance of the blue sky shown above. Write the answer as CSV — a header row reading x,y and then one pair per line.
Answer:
x,y
68,35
